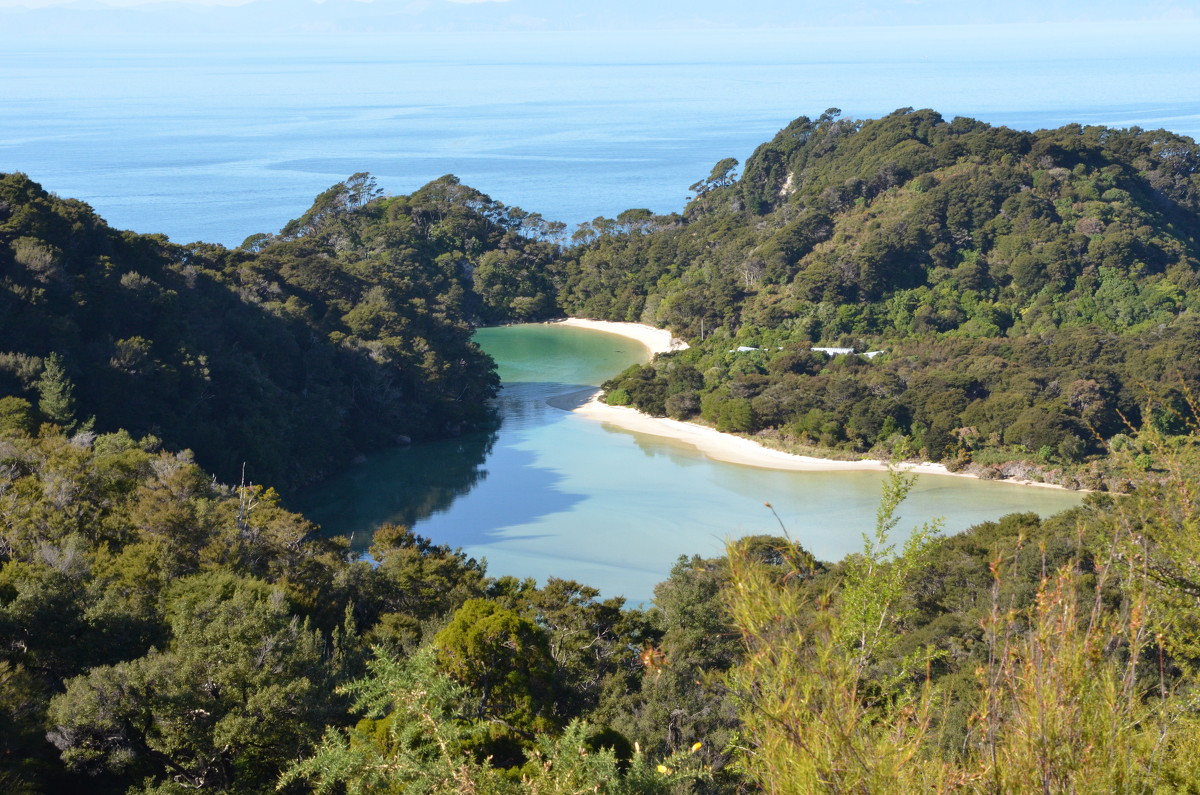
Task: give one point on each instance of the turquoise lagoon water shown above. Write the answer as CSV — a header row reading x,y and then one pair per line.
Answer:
x,y
555,494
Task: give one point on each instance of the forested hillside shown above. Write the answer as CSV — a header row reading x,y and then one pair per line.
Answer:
x,y
1024,289
1020,285
347,331
163,633
164,630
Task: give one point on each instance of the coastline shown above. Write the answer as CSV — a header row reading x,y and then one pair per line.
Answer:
x,y
726,446
656,340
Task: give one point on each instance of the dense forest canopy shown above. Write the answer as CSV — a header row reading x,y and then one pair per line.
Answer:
x,y
1033,296
161,632
1019,285
348,331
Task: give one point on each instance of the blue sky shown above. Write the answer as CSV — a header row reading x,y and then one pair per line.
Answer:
x,y
298,16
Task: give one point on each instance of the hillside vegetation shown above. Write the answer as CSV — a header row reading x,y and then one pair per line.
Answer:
x,y
348,331
163,633
167,630
1021,286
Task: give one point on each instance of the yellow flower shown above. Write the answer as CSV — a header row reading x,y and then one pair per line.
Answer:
x,y
697,747
664,769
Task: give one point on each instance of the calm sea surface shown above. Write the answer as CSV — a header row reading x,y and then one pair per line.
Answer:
x,y
218,141
553,493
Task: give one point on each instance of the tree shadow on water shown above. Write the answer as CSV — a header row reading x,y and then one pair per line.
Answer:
x,y
462,491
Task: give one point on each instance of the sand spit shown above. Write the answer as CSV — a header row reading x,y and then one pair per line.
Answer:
x,y
725,446
657,340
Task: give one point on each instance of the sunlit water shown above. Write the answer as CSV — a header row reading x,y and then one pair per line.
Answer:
x,y
217,141
555,494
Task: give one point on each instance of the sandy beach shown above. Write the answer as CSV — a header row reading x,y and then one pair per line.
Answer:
x,y
657,340
731,448
725,446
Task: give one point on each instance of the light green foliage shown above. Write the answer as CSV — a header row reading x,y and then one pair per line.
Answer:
x,y
570,763
870,611
415,740
411,741
1059,711
333,204
820,715
1159,526
1068,686
43,261
16,415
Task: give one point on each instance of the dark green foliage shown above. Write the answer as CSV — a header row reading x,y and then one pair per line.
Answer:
x,y
413,583
290,355
593,643
56,393
170,632
1020,283
241,687
503,658
679,700
166,628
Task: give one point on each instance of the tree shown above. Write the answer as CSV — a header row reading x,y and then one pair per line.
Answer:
x,y
681,700
823,703
414,582
354,193
16,415
504,659
56,393
721,176
414,740
591,642
410,741
240,690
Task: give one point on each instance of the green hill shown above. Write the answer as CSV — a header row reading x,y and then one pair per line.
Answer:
x,y
161,632
1022,285
346,332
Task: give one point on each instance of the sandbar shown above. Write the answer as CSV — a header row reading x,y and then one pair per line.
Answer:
x,y
656,340
726,446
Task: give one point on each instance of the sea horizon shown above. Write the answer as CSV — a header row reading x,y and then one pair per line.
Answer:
x,y
213,143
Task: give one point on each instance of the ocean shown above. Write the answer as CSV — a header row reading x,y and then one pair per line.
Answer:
x,y
215,141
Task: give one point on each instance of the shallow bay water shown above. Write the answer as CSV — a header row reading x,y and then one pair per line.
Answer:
x,y
555,494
